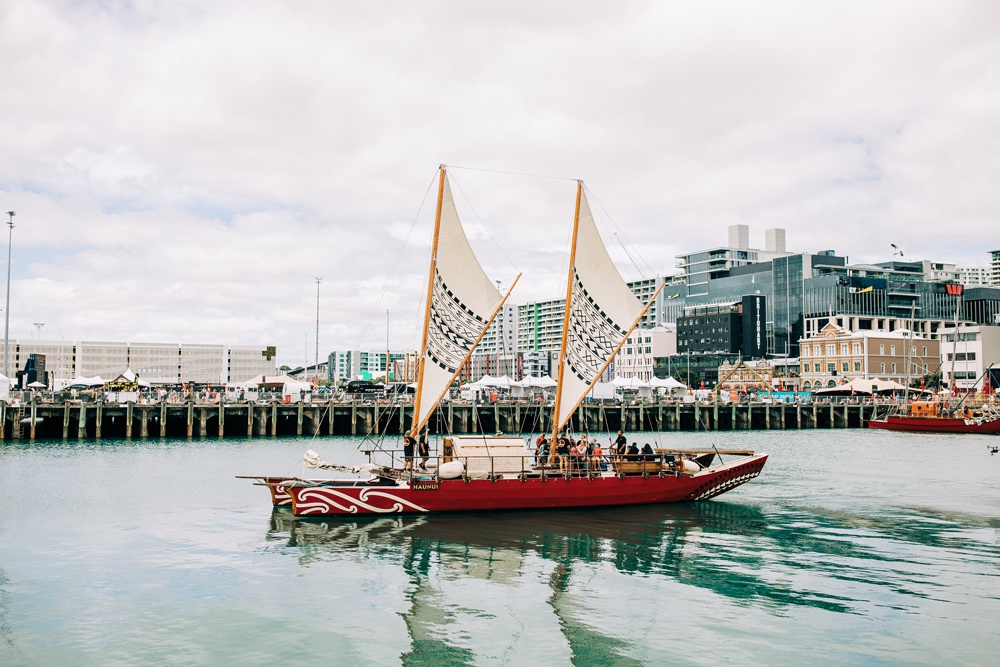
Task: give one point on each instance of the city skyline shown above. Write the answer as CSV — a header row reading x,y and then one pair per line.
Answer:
x,y
182,172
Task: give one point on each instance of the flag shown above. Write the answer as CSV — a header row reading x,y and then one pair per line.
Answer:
x,y
867,289
674,296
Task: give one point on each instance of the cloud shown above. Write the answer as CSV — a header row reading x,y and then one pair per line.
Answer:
x,y
183,171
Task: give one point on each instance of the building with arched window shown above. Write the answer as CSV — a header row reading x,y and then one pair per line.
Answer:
x,y
836,355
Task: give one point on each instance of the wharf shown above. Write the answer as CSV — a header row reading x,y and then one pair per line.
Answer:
x,y
76,420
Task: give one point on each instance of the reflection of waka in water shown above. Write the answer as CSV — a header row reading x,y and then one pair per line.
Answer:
x,y
461,571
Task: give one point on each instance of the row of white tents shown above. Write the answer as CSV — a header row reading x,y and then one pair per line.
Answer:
x,y
546,381
603,389
865,386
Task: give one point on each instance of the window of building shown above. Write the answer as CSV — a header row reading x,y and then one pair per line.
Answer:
x,y
805,350
843,367
805,367
894,368
831,367
831,350
881,350
925,351
857,366
892,351
843,348
856,348
883,369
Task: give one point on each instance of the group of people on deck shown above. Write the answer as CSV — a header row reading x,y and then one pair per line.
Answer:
x,y
622,451
585,455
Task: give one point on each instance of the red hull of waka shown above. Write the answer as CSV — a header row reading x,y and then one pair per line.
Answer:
x,y
454,495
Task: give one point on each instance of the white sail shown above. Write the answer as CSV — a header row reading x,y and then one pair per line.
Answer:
x,y
463,299
602,310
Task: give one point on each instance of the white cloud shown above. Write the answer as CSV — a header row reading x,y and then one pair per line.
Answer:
x,y
182,171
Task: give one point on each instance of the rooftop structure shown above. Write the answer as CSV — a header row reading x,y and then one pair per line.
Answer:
x,y
700,267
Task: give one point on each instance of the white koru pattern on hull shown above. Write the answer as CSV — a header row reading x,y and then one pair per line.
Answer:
x,y
281,496
323,500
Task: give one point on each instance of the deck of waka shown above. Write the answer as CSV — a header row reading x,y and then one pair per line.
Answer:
x,y
149,420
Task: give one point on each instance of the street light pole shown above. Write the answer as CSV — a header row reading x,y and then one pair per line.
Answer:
x,y
6,312
316,367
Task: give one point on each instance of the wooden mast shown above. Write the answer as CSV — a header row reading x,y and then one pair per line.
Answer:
x,y
954,345
565,331
430,293
418,425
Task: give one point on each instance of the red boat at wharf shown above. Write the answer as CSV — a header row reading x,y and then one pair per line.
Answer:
x,y
932,419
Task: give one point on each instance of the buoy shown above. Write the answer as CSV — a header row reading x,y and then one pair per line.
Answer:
x,y
689,466
451,470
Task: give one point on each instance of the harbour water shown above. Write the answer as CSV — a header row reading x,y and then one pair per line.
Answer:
x,y
853,547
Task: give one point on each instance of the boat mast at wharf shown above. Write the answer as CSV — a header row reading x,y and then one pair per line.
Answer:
x,y
76,420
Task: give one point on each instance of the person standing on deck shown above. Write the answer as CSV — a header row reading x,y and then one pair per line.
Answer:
x,y
619,446
423,450
562,453
408,445
541,449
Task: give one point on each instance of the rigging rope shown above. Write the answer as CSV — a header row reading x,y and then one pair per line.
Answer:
x,y
392,270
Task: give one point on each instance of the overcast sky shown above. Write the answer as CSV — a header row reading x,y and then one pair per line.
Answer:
x,y
183,171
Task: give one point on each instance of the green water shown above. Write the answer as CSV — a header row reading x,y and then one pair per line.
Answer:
x,y
853,547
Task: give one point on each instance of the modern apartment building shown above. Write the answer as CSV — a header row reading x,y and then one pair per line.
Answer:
x,y
642,347
371,364
497,353
966,356
973,275
539,325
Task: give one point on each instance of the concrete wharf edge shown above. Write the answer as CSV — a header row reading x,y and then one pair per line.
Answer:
x,y
40,420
